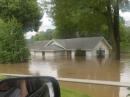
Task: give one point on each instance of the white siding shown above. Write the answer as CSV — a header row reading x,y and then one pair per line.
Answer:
x,y
32,53
38,54
52,54
49,54
103,46
88,53
72,54
59,53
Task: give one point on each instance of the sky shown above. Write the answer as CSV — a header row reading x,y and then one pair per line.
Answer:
x,y
47,23
125,15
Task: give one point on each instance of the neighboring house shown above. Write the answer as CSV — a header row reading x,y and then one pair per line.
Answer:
x,y
91,46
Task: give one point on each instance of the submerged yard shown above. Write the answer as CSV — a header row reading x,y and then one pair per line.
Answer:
x,y
81,68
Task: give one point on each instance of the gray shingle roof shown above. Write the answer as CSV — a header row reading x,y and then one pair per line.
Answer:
x,y
87,43
38,45
52,48
80,43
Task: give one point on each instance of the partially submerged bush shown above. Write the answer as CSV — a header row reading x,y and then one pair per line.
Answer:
x,y
12,43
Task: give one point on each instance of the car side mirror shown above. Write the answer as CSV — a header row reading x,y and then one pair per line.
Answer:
x,y
29,87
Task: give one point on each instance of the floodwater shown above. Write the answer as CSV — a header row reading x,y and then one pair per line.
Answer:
x,y
82,68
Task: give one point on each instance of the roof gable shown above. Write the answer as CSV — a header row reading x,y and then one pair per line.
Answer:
x,y
53,42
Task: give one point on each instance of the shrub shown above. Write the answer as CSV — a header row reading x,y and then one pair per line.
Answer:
x,y
12,43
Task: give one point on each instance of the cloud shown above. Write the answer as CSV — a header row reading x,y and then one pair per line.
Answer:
x,y
29,34
125,15
46,23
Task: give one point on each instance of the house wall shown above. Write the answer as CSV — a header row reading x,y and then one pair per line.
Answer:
x,y
72,54
103,46
38,54
32,53
60,53
49,54
88,53
53,53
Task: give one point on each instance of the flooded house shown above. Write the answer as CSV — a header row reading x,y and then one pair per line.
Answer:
x,y
88,46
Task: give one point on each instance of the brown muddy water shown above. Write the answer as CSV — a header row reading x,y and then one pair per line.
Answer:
x,y
82,68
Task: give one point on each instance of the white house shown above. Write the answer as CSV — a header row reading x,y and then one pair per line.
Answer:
x,y
91,46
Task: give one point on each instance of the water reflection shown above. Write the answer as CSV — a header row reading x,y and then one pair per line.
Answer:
x,y
85,68
14,68
125,72
44,68
80,67
124,92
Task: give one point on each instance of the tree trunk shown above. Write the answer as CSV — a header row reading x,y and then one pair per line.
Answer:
x,y
113,24
116,29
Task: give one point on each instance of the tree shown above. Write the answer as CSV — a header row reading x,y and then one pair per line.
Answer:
x,y
12,43
27,12
88,18
48,35
113,25
16,17
78,19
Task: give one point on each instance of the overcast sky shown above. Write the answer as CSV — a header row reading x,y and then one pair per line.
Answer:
x,y
47,23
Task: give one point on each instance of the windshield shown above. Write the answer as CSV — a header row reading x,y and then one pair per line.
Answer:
x,y
84,44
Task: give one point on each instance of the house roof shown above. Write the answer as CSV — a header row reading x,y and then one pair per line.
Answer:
x,y
87,43
38,45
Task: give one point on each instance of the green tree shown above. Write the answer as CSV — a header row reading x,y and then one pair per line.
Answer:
x,y
88,18
48,35
16,17
12,44
78,19
27,12
113,25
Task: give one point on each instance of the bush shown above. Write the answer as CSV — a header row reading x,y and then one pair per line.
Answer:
x,y
12,43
